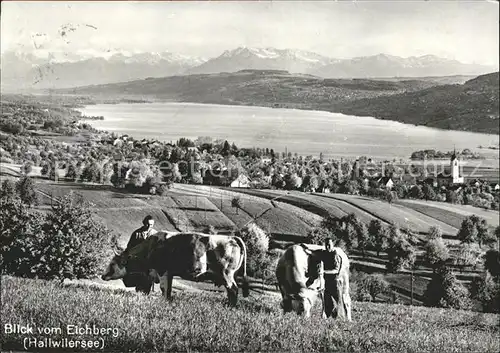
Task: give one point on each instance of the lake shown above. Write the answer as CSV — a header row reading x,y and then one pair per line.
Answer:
x,y
301,131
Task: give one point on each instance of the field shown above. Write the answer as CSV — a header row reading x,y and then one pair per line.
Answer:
x,y
201,322
402,213
287,218
280,218
401,216
447,212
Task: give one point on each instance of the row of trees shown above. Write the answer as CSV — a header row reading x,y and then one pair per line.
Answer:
x,y
401,248
350,233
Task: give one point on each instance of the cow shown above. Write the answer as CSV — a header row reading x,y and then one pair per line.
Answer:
x,y
189,255
300,280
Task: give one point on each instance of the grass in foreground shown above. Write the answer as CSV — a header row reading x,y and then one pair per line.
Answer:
x,y
202,322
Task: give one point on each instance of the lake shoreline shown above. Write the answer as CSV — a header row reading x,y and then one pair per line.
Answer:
x,y
234,104
268,127
221,105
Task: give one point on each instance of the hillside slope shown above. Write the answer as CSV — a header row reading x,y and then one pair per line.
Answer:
x,y
254,87
472,106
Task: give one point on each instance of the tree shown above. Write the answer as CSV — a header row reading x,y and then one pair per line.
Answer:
x,y
487,291
428,192
434,233
137,173
119,173
400,252
468,255
20,235
106,173
475,229
373,285
483,232
257,243
237,203
468,231
26,190
390,196
378,234
226,150
444,290
400,190
47,169
8,189
73,172
27,168
293,181
278,182
66,243
318,236
76,241
176,155
451,196
185,143
492,262
351,187
314,183
416,192
363,237
436,252
92,172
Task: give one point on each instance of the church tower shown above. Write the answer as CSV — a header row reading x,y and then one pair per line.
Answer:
x,y
455,169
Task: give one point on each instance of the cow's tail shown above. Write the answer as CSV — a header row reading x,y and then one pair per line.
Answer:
x,y
245,285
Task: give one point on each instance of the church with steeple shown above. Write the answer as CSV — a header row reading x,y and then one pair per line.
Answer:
x,y
452,176
455,169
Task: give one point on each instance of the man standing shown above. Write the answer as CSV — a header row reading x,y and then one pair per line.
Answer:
x,y
337,301
142,233
143,283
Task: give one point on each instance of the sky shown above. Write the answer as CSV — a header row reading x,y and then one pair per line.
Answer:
x,y
464,31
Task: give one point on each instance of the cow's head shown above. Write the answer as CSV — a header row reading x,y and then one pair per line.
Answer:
x,y
198,254
303,301
117,268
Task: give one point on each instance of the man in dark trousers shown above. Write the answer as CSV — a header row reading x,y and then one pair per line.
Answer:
x,y
142,282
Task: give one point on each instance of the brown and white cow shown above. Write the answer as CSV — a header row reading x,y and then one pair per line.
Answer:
x,y
191,256
300,283
292,274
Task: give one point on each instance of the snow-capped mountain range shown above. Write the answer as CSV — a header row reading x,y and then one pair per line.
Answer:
x,y
57,70
295,61
25,70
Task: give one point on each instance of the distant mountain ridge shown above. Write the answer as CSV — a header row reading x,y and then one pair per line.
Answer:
x,y
26,71
296,61
20,70
383,65
299,61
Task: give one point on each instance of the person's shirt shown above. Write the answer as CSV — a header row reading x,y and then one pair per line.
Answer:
x,y
331,261
139,235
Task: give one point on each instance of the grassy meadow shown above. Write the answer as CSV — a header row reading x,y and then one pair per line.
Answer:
x,y
201,322
195,207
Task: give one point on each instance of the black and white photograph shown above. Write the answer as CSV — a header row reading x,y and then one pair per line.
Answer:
x,y
250,176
